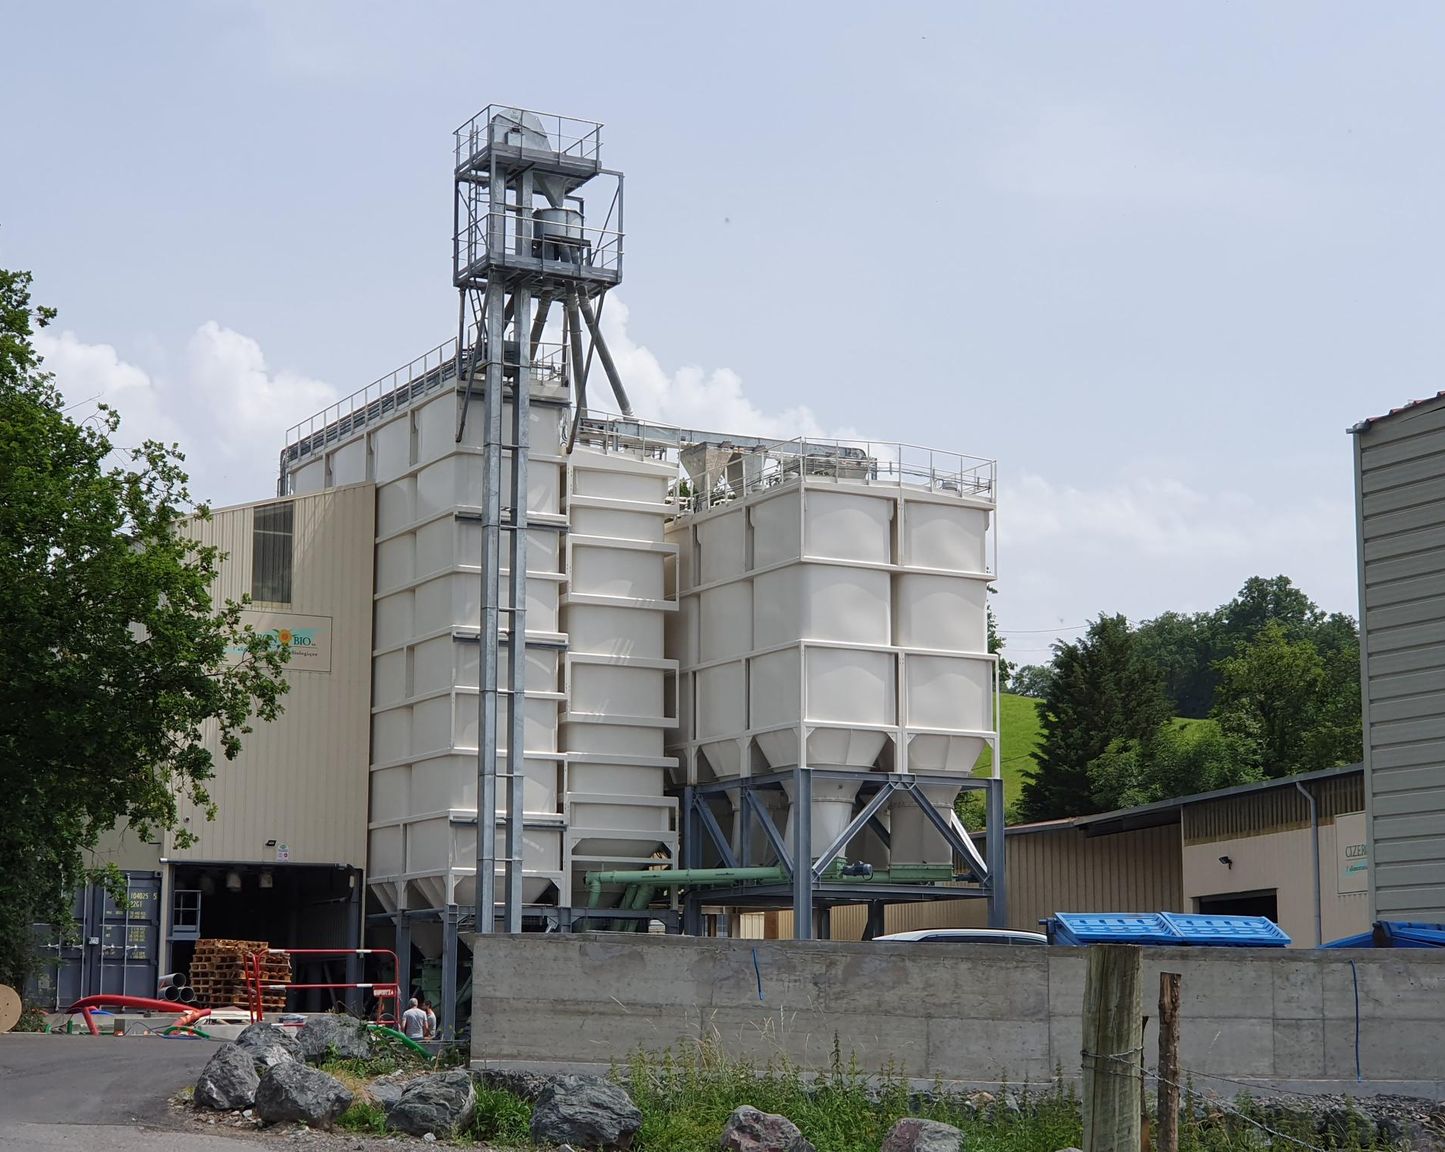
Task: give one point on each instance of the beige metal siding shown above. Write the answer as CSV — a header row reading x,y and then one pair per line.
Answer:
x,y
302,780
1400,506
1267,812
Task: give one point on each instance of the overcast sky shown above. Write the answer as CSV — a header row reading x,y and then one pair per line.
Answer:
x,y
1153,258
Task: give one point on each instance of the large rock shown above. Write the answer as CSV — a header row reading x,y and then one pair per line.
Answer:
x,y
324,1036
523,1085
586,1112
441,1103
386,1090
749,1130
293,1091
914,1135
269,1046
228,1080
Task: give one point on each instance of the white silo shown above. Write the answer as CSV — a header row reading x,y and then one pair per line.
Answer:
x,y
834,625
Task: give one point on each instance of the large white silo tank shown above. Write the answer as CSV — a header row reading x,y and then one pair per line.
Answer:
x,y
619,702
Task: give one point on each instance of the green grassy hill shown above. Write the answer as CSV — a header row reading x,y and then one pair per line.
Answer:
x,y
1018,737
1019,733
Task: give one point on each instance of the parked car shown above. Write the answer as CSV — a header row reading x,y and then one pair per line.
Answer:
x,y
965,936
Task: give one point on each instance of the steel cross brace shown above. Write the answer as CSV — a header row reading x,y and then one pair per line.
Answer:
x,y
949,830
855,826
752,805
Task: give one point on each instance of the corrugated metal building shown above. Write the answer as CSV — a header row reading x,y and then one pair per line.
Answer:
x,y
285,859
1288,849
1400,523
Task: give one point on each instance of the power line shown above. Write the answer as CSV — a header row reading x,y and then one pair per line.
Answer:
x,y
1039,631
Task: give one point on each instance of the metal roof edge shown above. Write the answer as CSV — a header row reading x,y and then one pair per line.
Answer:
x,y
1410,406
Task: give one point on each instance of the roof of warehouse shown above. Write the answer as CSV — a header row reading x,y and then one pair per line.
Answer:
x,y
1167,811
1409,407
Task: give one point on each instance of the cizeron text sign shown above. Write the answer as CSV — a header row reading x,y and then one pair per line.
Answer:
x,y
1353,870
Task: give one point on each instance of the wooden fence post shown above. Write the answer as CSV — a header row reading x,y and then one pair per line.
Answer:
x,y
1169,1062
1113,1039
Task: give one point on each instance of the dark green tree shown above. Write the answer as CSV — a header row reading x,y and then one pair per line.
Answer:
x,y
1177,759
1101,690
114,661
1301,706
1031,680
996,645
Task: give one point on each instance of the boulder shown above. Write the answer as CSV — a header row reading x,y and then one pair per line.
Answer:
x,y
293,1091
586,1112
914,1135
523,1085
269,1046
749,1130
228,1080
386,1090
439,1103
344,1036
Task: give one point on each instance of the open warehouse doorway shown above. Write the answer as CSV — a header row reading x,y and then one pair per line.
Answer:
x,y
288,906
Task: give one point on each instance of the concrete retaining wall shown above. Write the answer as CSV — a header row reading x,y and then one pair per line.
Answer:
x,y
970,1014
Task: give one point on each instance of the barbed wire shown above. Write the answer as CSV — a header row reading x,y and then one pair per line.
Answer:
x,y
1133,1069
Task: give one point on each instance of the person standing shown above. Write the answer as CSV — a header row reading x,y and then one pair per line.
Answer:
x,y
413,1021
431,1019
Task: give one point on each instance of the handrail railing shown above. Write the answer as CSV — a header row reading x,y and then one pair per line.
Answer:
x,y
258,983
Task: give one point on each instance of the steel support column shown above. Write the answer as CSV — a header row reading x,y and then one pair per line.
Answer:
x,y
491,615
355,930
403,963
517,583
998,888
447,1023
802,851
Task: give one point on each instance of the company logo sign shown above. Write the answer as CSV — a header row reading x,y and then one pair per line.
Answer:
x,y
307,637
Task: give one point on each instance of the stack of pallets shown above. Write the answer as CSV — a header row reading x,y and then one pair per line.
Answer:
x,y
221,973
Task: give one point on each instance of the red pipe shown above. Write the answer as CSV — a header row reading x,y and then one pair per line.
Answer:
x,y
189,1014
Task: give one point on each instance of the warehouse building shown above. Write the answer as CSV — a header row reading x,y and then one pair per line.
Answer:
x,y
285,860
1400,531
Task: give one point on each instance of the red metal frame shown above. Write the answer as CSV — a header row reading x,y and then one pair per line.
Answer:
x,y
258,984
189,1013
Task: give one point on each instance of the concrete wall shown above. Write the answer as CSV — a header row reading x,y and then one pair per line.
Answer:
x,y
967,1014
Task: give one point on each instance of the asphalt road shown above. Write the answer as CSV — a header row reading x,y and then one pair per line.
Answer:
x,y
91,1092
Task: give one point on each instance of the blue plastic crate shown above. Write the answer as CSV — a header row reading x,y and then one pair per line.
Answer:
x,y
1176,928
1228,931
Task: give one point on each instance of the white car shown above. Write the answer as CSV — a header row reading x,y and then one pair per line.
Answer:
x,y
964,936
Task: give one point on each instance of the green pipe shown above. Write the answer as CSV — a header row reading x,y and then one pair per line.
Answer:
x,y
659,878
402,1036
641,884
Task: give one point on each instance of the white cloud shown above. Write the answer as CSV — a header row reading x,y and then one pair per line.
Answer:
x,y
690,397
1146,545
228,409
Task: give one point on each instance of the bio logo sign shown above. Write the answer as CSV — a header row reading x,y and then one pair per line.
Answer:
x,y
1352,852
308,638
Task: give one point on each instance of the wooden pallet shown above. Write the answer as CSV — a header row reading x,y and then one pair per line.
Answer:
x,y
221,972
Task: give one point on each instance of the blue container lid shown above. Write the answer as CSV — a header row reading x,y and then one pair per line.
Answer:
x,y
1177,928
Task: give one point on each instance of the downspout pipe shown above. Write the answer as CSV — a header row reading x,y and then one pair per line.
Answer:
x,y
1315,851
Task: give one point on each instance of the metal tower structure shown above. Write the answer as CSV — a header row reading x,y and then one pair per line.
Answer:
x,y
522,242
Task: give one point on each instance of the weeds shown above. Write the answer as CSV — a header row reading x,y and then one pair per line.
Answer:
x,y
363,1116
501,1118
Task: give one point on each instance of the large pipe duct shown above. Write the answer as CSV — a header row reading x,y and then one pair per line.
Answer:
x,y
579,368
539,323
605,356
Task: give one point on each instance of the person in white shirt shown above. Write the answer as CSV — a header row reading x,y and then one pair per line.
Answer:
x,y
413,1021
431,1019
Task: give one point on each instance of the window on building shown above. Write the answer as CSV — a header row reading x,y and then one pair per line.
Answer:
x,y
271,553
